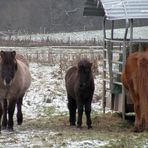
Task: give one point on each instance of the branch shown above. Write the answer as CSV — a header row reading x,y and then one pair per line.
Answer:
x,y
71,11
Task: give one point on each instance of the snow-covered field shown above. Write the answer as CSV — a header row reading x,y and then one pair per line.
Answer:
x,y
139,32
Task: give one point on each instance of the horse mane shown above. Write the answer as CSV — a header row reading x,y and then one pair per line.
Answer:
x,y
7,60
22,59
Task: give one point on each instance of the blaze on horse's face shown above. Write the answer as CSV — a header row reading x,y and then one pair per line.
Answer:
x,y
8,67
84,71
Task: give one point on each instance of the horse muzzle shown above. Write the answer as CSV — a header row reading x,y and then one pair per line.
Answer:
x,y
83,85
7,83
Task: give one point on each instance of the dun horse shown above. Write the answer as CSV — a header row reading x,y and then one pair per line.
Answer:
x,y
80,89
15,79
135,79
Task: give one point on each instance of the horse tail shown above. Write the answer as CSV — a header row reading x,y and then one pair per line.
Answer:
x,y
142,81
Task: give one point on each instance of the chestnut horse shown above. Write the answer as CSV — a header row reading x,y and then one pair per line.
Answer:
x,y
80,89
15,79
135,79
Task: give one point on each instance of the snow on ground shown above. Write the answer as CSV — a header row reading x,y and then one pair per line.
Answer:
x,y
29,139
47,89
139,32
86,144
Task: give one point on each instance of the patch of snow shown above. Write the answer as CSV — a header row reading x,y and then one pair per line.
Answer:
x,y
86,144
29,138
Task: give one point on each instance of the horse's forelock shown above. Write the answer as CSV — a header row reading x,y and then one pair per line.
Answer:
x,y
8,57
84,64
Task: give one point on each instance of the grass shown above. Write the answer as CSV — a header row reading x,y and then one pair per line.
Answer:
x,y
49,110
106,127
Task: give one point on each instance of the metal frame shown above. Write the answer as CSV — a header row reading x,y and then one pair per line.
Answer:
x,y
108,44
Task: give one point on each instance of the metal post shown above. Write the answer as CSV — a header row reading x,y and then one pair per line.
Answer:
x,y
104,67
124,59
110,53
123,89
126,29
131,35
110,65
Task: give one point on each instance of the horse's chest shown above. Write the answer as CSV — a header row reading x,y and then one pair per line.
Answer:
x,y
84,94
3,93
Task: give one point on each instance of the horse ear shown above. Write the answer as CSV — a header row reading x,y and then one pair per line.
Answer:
x,y
2,53
14,53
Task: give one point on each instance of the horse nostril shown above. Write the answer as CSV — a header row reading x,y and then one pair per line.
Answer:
x,y
7,81
82,84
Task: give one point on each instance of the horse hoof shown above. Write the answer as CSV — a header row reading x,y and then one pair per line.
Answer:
x,y
19,120
72,124
137,130
19,123
10,129
89,127
4,127
79,126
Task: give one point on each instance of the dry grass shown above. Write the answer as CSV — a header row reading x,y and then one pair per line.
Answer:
x,y
103,123
106,127
66,59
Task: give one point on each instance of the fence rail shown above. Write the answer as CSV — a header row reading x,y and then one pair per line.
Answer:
x,y
64,56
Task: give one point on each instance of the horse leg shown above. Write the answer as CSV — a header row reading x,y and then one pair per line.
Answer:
x,y
11,108
80,114
87,113
72,110
19,111
138,118
145,115
4,119
1,112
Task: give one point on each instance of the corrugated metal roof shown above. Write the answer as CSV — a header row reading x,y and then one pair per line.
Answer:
x,y
118,9
125,9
